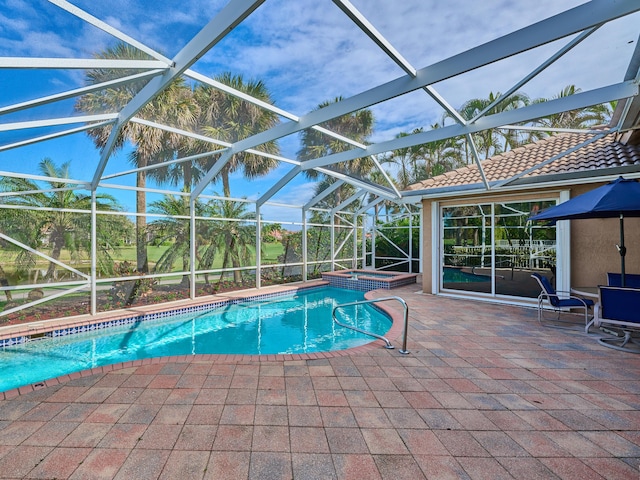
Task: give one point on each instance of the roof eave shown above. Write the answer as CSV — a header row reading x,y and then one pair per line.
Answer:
x,y
526,183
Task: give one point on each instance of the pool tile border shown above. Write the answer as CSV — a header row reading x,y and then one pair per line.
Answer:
x,y
86,323
394,332
344,279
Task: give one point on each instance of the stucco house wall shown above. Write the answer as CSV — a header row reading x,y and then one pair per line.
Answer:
x,y
593,246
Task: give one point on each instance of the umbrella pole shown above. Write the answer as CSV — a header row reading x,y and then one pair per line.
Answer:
x,y
622,249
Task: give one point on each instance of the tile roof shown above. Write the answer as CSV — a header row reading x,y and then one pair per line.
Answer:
x,y
591,159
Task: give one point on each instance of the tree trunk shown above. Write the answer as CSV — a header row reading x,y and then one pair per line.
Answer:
x,y
225,264
226,189
4,281
142,260
235,263
186,266
58,243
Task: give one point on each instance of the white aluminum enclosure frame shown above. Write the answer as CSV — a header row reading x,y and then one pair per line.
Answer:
x,y
574,25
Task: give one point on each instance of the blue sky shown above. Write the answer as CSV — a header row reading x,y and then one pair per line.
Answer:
x,y
306,52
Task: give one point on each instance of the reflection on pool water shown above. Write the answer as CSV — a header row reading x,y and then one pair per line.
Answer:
x,y
296,323
455,275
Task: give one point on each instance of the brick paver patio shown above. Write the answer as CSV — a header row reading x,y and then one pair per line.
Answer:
x,y
486,393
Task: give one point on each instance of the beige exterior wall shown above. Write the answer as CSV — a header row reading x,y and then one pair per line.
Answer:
x,y
593,251
593,246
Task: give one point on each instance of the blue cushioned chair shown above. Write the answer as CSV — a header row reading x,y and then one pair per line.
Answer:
x,y
619,308
630,280
560,301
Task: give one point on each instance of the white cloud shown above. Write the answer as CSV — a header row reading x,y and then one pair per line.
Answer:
x,y
295,195
308,51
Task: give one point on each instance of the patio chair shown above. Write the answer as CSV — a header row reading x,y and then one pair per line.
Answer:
x,y
617,314
630,280
561,301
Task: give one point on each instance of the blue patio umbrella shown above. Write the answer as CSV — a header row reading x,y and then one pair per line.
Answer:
x,y
616,199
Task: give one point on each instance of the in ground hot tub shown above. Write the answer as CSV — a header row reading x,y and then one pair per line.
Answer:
x,y
368,279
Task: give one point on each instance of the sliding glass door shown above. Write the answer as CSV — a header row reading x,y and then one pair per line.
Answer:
x,y
492,248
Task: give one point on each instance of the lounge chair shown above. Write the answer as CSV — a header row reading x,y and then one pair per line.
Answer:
x,y
561,301
617,313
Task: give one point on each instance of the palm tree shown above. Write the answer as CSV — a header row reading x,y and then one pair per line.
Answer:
x,y
423,161
172,229
172,106
228,118
63,229
357,126
493,141
235,238
406,161
420,162
232,239
440,156
581,118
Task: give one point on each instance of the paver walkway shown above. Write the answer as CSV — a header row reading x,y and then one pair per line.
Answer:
x,y
486,393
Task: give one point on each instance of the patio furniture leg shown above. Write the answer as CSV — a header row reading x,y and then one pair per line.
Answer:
x,y
612,342
588,324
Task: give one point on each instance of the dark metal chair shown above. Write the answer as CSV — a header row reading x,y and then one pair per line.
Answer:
x,y
560,301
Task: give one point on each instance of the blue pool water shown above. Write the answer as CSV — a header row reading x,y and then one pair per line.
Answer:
x,y
296,323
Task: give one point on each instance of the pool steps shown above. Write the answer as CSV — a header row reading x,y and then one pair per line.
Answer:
x,y
388,345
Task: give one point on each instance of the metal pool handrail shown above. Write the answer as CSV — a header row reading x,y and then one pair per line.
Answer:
x,y
376,300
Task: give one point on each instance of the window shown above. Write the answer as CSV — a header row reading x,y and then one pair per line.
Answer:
x,y
492,248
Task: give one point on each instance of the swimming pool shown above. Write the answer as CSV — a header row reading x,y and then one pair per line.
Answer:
x,y
300,322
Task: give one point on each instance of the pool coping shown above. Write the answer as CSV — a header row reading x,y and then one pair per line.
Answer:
x,y
41,328
365,282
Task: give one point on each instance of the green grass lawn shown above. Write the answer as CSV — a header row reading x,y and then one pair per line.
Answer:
x,y
270,252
